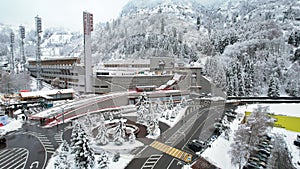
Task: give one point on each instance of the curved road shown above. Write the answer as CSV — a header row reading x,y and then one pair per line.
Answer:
x,y
23,144
195,125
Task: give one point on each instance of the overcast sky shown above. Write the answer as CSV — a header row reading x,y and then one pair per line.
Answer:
x,y
61,13
58,13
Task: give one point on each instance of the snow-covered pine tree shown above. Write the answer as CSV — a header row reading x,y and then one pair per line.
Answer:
x,y
61,162
240,78
292,88
152,127
173,113
183,102
273,90
119,133
239,148
235,79
102,136
102,162
249,77
230,82
75,135
258,122
84,156
131,138
248,135
65,148
170,104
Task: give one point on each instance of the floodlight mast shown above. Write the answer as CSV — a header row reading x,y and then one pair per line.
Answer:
x,y
38,22
12,58
22,37
87,28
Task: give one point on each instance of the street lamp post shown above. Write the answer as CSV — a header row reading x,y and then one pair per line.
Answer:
x,y
63,118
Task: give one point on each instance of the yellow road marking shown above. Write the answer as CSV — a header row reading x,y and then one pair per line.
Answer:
x,y
171,151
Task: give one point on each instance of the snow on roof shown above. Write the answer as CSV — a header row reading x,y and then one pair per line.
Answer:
x,y
130,61
46,93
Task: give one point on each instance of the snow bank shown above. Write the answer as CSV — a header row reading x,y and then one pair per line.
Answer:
x,y
12,125
289,138
218,153
122,163
288,109
126,147
172,121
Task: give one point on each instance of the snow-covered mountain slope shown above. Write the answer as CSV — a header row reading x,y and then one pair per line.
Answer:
x,y
262,34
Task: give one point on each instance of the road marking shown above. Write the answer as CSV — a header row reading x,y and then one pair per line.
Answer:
x,y
172,151
15,158
151,161
49,151
22,158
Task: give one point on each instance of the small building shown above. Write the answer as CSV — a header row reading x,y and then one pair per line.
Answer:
x,y
49,95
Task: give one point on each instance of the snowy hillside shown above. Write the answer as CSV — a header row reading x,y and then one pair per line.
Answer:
x,y
55,42
246,42
250,47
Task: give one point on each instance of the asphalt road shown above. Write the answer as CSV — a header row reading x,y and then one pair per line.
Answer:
x,y
32,146
19,143
195,125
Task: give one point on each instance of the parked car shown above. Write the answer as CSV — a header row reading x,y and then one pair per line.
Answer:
x,y
263,155
264,147
261,158
297,143
262,164
267,137
252,165
254,159
196,145
263,151
2,139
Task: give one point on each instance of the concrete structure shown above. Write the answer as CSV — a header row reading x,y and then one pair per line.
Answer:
x,y
88,28
115,76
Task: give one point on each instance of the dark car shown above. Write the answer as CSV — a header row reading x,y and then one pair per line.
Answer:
x,y
2,140
261,157
252,165
263,151
264,147
297,143
196,145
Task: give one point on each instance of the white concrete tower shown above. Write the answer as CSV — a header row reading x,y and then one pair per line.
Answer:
x,y
87,28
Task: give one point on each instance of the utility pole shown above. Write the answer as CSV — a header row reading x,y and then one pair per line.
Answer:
x,y
38,22
12,58
22,37
87,28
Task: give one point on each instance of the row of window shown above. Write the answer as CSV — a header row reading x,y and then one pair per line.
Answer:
x,y
127,65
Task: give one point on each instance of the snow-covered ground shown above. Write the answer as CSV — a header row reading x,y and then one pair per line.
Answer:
x,y
12,125
218,153
172,121
288,109
110,149
123,161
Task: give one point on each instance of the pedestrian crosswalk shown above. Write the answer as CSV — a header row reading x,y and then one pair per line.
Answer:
x,y
44,140
58,137
151,161
172,151
13,158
